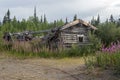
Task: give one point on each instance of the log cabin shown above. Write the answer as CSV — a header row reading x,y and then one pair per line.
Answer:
x,y
75,32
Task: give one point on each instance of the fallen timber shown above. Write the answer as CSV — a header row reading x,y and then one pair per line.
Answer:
x,y
50,37
22,36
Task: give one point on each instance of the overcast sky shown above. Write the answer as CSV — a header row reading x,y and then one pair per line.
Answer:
x,y
57,9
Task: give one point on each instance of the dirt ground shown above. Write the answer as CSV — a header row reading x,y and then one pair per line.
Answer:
x,y
50,69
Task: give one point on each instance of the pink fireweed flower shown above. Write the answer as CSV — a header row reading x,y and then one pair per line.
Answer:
x,y
114,47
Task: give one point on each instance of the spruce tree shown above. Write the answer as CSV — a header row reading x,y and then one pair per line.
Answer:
x,y
35,15
93,21
98,19
41,20
45,19
55,23
112,18
14,22
8,15
0,23
66,21
75,17
118,22
4,19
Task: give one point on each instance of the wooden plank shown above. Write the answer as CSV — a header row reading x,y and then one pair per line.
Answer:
x,y
65,34
70,24
75,32
69,42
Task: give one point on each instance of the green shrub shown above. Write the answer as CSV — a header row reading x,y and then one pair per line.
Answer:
x,y
108,32
95,41
106,61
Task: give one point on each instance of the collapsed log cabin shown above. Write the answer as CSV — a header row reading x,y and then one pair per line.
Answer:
x,y
75,32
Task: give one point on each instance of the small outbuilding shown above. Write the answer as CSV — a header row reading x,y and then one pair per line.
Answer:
x,y
75,32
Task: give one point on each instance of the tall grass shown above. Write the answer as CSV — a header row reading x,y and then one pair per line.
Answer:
x,y
37,49
108,58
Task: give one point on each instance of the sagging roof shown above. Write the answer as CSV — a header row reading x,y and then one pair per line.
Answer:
x,y
76,22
